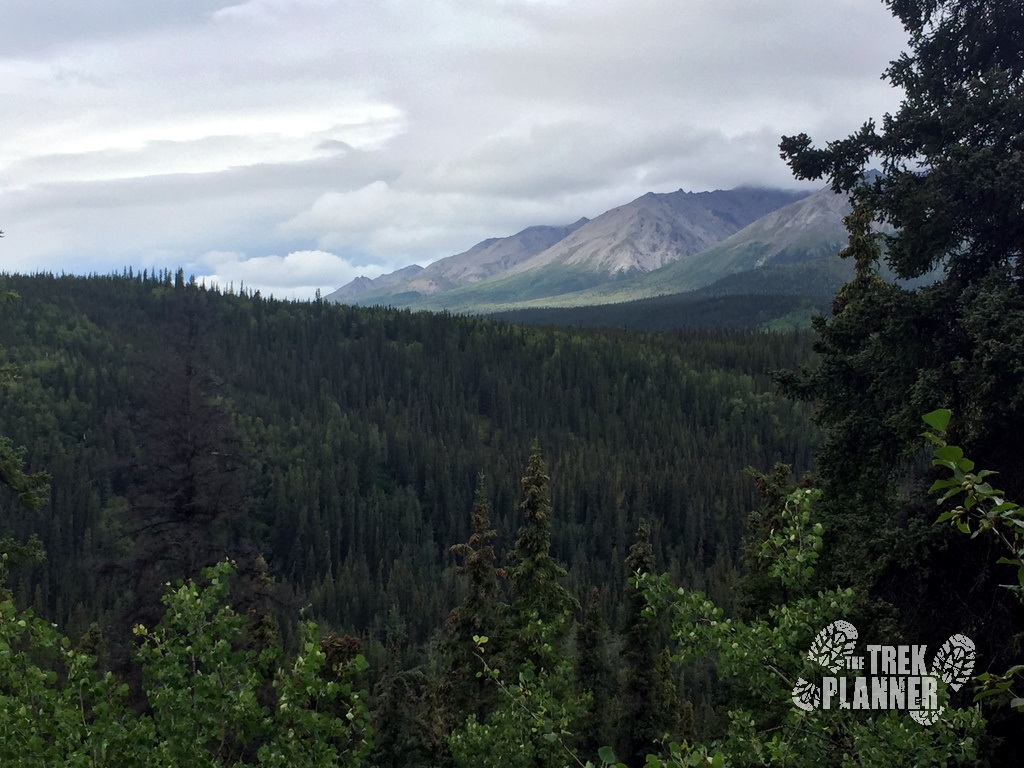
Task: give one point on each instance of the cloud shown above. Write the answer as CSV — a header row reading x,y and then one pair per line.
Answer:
x,y
138,133
31,26
298,275
399,224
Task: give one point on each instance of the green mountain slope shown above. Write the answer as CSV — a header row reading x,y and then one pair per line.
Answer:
x,y
694,310
809,230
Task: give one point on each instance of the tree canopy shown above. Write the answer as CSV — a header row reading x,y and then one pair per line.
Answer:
x,y
946,203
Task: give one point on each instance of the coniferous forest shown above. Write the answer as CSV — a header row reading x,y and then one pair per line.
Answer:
x,y
343,445
339,452
240,531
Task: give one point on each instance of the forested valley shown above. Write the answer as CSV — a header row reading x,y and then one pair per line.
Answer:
x,y
338,450
343,445
448,498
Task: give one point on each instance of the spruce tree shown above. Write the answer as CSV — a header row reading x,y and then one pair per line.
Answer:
x,y
187,482
541,607
481,613
594,677
535,715
646,718
29,489
404,719
950,192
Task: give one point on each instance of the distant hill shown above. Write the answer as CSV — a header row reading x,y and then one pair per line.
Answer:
x,y
363,286
806,230
548,262
817,279
656,230
483,260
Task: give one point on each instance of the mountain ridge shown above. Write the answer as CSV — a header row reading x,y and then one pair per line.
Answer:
x,y
657,229
636,238
805,235
483,260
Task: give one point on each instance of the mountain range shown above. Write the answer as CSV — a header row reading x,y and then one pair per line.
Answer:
x,y
743,240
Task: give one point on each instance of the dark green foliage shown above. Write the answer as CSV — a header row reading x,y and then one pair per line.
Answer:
x,y
533,664
666,701
540,607
767,657
408,724
757,590
594,676
357,429
951,186
209,701
647,715
28,489
981,508
346,436
696,309
185,479
950,156
481,613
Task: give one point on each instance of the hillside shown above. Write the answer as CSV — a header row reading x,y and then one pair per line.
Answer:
x,y
806,235
682,311
656,230
483,260
545,262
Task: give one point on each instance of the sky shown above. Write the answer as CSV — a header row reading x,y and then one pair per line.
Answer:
x,y
291,145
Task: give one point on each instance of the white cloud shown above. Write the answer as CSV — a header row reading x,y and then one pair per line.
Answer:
x,y
297,275
393,130
407,226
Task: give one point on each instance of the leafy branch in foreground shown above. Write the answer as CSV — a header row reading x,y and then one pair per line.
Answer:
x,y
212,702
530,727
533,729
982,508
768,654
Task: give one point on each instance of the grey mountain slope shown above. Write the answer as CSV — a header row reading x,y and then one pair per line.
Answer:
x,y
605,252
489,258
657,229
638,237
806,230
362,286
483,260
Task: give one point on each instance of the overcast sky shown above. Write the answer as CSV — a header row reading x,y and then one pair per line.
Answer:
x,y
294,144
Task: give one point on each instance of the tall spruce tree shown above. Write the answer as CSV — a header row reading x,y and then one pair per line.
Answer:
x,y
187,486
405,718
29,489
952,189
537,710
951,192
541,608
594,677
645,716
481,613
